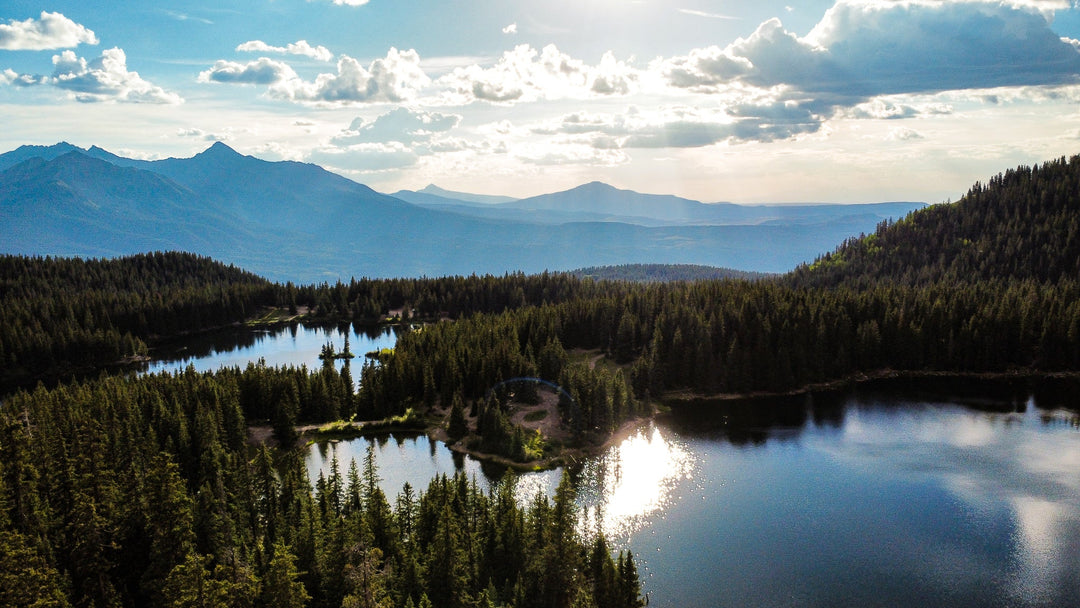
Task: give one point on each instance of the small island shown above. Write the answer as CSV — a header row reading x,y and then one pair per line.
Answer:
x,y
330,353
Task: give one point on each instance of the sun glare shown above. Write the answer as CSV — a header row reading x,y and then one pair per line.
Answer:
x,y
635,480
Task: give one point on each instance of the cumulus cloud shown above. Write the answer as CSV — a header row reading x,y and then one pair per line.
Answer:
x,y
510,29
13,78
525,74
571,154
365,157
50,31
395,78
203,135
401,125
903,134
105,78
684,127
300,47
774,84
884,109
350,2
865,48
263,71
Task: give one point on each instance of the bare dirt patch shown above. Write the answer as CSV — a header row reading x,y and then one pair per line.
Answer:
x,y
550,426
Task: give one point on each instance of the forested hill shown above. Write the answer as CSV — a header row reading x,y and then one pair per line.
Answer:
x,y
662,273
1022,224
64,313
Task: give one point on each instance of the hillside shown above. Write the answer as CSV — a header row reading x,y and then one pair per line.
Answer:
x,y
60,315
297,222
662,273
1023,224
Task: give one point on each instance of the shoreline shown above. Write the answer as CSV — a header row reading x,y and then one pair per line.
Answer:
x,y
866,377
568,454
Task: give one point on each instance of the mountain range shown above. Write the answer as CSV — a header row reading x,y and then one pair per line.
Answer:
x,y
299,222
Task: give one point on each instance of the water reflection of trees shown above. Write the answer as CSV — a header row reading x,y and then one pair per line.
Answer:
x,y
235,339
755,421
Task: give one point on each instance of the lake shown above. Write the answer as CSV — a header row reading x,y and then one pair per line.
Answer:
x,y
296,344
907,493
896,493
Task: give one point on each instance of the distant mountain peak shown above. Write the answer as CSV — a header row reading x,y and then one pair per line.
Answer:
x,y
596,185
219,148
433,190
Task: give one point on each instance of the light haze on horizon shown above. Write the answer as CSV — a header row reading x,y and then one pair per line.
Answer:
x,y
847,101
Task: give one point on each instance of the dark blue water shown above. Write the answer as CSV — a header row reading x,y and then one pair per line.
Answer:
x,y
907,495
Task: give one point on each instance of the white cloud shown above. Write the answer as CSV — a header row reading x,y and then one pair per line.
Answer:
x,y
778,85
525,74
570,154
203,135
105,78
8,76
395,78
50,31
510,29
261,71
696,13
350,2
365,157
865,48
186,17
684,126
885,109
401,125
300,47
277,151
903,134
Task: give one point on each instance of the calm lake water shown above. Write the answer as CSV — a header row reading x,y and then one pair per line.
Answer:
x,y
902,493
284,345
917,493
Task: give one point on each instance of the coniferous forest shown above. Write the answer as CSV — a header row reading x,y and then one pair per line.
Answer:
x,y
143,491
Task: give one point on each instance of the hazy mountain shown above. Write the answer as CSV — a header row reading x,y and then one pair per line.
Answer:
x,y
662,273
434,195
295,221
25,153
601,201
75,204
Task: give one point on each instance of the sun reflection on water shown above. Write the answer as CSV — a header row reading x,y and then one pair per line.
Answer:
x,y
633,480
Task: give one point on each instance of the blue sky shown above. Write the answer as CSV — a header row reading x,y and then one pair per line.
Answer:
x,y
848,101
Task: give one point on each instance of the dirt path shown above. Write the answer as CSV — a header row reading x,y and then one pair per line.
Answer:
x,y
550,426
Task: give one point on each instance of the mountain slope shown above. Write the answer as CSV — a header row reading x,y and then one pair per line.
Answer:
x,y
434,195
75,204
599,201
299,222
25,153
600,198
1023,224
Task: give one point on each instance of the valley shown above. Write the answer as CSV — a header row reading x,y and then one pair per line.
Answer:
x,y
658,402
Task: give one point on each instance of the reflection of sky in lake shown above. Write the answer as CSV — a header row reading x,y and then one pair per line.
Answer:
x,y
990,461
294,345
632,480
865,501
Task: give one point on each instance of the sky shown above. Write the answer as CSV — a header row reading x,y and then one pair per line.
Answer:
x,y
819,101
